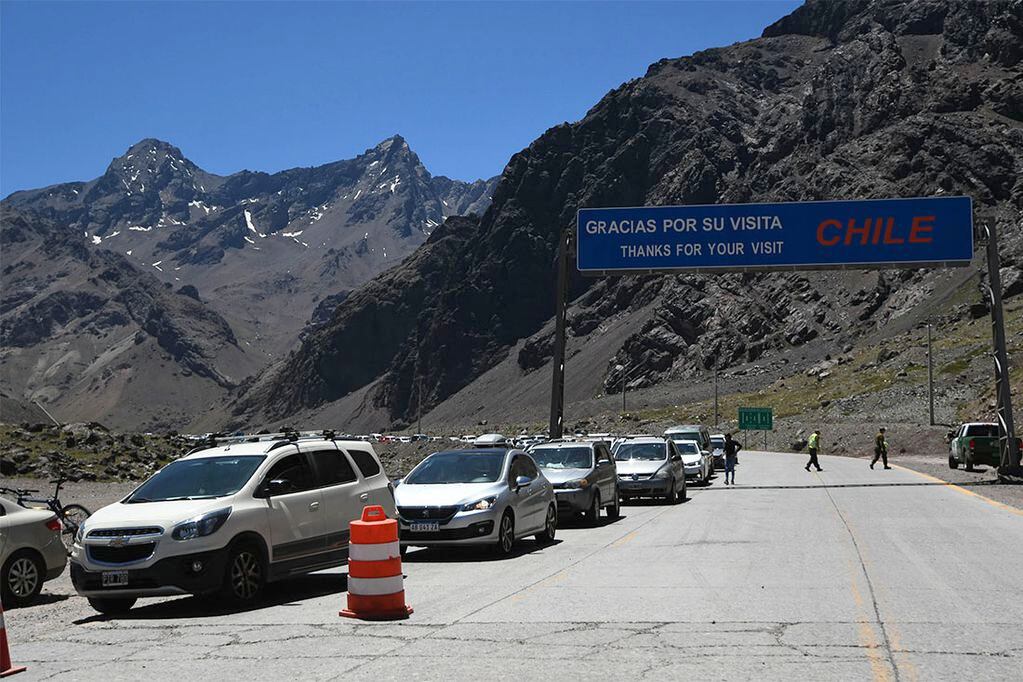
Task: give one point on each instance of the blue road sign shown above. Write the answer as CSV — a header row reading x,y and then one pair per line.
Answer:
x,y
870,233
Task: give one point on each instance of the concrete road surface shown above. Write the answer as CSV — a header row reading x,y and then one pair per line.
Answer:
x,y
846,574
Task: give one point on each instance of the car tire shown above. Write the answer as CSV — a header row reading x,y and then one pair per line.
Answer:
x,y
22,578
550,527
672,496
685,492
967,463
112,606
505,535
952,462
244,575
615,510
593,515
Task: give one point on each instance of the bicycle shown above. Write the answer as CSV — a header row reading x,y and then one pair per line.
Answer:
x,y
71,516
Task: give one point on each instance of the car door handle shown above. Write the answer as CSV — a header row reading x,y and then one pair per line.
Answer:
x,y
313,506
364,497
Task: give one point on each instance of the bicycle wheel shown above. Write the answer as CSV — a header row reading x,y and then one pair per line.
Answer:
x,y
72,516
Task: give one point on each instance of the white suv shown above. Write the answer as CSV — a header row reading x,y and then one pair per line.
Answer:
x,y
229,519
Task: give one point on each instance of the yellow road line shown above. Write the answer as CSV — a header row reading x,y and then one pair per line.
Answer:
x,y
624,539
994,503
867,636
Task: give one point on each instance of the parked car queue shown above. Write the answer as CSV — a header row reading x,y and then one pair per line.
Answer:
x,y
232,516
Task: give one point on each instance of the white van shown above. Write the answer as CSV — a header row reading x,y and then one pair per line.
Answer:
x,y
228,519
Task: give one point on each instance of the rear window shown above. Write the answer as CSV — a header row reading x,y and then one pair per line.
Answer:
x,y
366,462
982,431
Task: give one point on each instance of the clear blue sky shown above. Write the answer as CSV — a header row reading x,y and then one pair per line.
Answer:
x,y
268,86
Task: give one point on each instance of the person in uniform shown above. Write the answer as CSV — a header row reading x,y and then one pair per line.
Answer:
x,y
814,445
880,449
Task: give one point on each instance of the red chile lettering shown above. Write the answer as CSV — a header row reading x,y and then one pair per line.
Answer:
x,y
831,241
918,226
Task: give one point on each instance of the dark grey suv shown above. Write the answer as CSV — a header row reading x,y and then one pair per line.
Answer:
x,y
584,475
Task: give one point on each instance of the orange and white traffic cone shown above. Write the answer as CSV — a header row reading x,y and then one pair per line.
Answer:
x,y
376,588
5,655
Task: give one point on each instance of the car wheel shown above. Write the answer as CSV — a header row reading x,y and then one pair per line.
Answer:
x,y
593,515
672,496
615,510
22,578
952,462
112,606
968,463
505,535
685,493
245,574
550,527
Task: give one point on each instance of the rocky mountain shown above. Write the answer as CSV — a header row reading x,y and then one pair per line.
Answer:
x,y
265,249
846,99
221,273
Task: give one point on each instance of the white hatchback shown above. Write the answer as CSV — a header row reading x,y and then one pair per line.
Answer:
x,y
31,551
229,519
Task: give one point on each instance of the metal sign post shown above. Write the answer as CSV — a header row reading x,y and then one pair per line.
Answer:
x,y
1010,454
557,423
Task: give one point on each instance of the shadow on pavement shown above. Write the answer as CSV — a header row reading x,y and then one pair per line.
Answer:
x,y
812,486
451,554
42,599
579,521
279,593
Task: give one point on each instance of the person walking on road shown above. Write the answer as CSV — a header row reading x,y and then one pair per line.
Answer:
x,y
732,448
880,449
814,444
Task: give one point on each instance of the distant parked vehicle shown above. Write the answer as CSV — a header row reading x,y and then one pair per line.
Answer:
x,y
717,445
974,443
650,467
699,464
584,476
478,496
71,516
701,434
31,552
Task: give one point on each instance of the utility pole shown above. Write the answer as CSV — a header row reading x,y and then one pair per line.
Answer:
x,y
1010,454
930,374
717,419
623,389
557,423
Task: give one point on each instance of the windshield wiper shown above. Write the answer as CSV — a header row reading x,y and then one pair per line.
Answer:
x,y
133,498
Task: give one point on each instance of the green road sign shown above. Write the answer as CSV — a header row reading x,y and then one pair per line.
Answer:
x,y
756,419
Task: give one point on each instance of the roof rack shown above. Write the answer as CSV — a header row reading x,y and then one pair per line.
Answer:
x,y
279,439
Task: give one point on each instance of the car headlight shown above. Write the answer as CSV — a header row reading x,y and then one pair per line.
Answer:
x,y
201,526
80,533
579,483
480,505
663,472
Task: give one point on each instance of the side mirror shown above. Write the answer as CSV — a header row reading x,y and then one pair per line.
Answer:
x,y
603,462
676,458
278,486
522,481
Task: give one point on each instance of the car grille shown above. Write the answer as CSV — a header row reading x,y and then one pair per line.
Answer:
x,y
442,514
124,532
121,555
633,477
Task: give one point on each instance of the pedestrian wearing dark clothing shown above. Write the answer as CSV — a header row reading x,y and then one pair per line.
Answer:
x,y
880,449
732,448
814,444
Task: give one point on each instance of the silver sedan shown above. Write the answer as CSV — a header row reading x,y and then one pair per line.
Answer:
x,y
489,496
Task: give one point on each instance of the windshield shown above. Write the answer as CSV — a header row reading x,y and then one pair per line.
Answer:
x,y
649,452
192,479
718,443
982,430
458,467
688,435
563,458
687,448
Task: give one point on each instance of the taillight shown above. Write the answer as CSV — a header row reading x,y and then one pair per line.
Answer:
x,y
53,524
971,443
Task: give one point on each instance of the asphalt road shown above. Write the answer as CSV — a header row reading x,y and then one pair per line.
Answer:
x,y
846,574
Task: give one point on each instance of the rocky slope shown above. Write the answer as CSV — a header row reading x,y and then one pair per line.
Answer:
x,y
265,249
837,100
220,274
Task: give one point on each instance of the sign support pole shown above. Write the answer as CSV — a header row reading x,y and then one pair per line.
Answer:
x,y
930,375
558,360
1010,455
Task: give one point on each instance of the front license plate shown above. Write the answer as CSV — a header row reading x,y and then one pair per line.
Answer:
x,y
115,578
425,527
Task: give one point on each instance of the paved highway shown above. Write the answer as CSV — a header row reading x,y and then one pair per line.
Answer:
x,y
846,574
